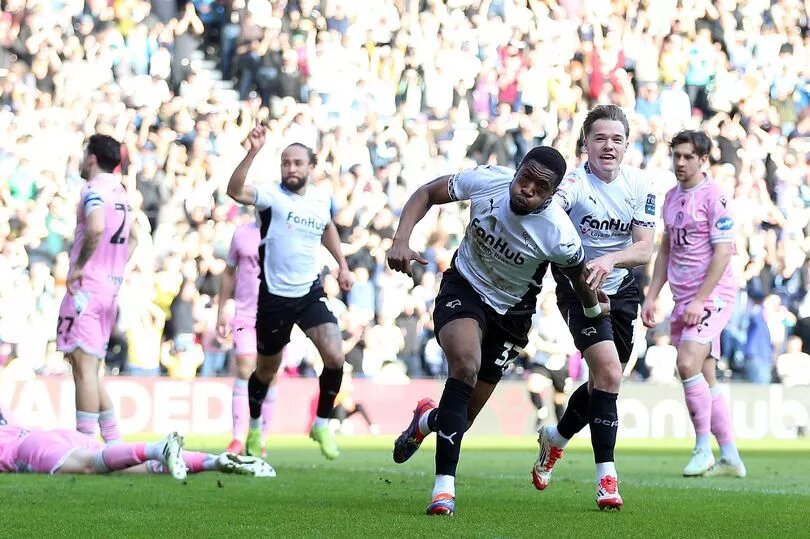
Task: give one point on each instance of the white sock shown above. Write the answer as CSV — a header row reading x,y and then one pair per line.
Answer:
x,y
730,453
703,443
605,468
255,423
321,422
424,426
211,462
556,439
445,484
154,450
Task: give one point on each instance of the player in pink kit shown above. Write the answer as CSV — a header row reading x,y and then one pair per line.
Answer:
x,y
241,280
694,256
97,259
71,452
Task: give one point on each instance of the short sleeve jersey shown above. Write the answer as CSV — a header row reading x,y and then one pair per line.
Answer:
x,y
104,271
504,255
290,228
696,219
604,214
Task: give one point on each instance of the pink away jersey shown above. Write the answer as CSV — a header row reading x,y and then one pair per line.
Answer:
x,y
104,271
695,219
11,437
244,256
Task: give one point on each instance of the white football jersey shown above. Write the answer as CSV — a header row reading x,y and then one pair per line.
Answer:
x,y
504,255
291,227
604,214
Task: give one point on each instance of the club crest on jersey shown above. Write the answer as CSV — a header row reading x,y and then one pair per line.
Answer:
x,y
725,223
528,240
496,246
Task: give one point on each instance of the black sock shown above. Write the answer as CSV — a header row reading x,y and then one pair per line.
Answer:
x,y
451,420
604,422
257,391
576,413
329,383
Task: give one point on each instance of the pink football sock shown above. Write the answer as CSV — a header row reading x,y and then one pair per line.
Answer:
x,y
240,409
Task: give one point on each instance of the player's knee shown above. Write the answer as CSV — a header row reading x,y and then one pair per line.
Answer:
x,y
687,365
609,377
245,367
465,369
333,358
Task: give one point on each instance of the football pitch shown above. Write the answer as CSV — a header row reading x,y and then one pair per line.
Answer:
x,y
364,494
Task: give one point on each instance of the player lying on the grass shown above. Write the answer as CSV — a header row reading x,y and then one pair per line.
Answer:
x,y
487,298
71,452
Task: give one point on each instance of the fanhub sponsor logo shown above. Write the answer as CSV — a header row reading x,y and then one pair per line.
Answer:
x,y
604,224
497,244
306,222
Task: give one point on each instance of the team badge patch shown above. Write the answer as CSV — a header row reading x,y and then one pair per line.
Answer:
x,y
649,208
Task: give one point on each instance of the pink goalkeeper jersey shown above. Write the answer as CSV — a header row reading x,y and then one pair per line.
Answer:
x,y
104,272
696,219
244,256
10,439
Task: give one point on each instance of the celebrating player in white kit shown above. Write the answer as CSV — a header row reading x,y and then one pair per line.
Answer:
x,y
294,219
487,298
613,207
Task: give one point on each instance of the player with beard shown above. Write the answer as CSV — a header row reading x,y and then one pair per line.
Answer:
x,y
614,210
484,308
695,256
98,259
294,220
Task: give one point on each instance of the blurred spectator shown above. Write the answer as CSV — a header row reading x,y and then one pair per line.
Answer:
x,y
793,367
391,94
758,345
660,360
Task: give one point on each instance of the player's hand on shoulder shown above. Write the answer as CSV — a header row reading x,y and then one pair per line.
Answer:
x,y
345,279
400,256
648,314
257,137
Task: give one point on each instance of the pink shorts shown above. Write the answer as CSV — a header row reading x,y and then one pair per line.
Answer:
x,y
244,336
716,316
47,451
85,321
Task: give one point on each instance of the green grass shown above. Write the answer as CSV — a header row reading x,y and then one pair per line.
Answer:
x,y
364,494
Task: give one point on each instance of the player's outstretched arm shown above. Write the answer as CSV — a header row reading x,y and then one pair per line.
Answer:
x,y
237,190
400,255
659,277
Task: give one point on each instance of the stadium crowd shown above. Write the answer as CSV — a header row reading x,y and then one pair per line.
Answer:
x,y
391,93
